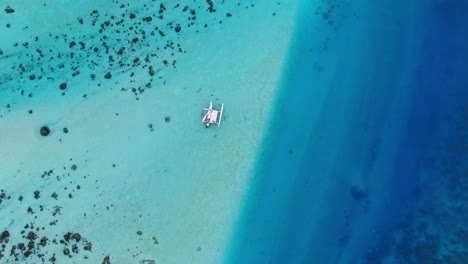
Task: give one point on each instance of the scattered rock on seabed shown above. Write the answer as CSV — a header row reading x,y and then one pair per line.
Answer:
x,y
148,261
45,131
9,10
106,260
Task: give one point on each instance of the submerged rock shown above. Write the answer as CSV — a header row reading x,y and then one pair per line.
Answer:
x,y
106,260
45,131
4,236
9,10
77,237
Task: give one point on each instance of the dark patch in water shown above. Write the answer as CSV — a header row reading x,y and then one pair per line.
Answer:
x,y
357,193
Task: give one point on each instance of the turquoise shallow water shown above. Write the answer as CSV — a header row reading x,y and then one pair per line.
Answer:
x,y
103,156
344,137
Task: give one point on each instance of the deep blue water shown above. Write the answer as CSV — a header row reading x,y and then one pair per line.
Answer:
x,y
366,161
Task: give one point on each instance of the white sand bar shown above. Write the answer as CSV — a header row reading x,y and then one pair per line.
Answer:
x,y
178,183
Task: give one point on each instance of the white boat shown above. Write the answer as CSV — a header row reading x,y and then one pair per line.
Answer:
x,y
212,116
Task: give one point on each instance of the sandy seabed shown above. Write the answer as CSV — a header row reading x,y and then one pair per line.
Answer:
x,y
137,178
